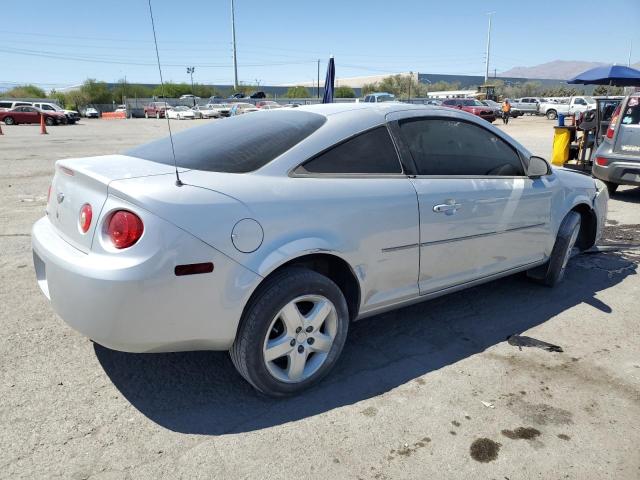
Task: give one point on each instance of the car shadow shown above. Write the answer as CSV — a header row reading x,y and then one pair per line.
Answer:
x,y
201,393
627,195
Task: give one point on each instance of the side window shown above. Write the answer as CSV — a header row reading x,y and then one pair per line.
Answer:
x,y
580,101
370,152
450,147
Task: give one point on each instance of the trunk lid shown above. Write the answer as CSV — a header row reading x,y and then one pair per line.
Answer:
x,y
81,181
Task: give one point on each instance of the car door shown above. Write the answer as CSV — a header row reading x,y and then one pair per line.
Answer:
x,y
31,115
371,206
479,214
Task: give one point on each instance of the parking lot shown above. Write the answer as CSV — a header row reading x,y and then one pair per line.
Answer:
x,y
430,391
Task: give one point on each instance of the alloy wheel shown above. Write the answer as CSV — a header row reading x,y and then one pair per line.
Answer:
x,y
300,337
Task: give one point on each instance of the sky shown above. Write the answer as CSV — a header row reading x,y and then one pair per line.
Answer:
x,y
280,41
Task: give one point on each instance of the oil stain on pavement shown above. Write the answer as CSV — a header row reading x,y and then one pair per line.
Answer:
x,y
484,450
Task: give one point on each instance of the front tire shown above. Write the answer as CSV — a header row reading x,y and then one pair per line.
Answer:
x,y
291,333
9,121
552,272
158,115
49,121
146,114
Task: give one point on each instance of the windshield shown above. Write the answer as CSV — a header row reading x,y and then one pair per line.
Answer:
x,y
181,109
236,145
385,98
471,103
589,100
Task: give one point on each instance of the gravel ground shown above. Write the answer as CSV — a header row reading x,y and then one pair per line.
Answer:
x,y
430,391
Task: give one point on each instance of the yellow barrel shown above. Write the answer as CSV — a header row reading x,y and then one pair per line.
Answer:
x,y
561,142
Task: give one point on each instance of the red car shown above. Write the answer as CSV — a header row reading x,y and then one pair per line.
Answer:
x,y
472,106
24,114
155,109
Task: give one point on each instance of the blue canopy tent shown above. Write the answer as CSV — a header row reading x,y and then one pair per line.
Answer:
x,y
329,81
612,75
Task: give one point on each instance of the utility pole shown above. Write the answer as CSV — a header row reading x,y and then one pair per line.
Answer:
x,y
318,84
486,65
233,38
630,48
410,80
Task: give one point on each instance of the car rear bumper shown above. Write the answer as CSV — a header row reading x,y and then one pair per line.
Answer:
x,y
136,303
619,171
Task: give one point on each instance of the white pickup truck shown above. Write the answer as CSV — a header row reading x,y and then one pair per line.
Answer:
x,y
575,105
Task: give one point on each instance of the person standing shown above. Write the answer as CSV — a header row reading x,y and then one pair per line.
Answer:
x,y
506,111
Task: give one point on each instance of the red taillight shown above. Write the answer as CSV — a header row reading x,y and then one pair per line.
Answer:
x,y
614,120
125,228
603,162
85,217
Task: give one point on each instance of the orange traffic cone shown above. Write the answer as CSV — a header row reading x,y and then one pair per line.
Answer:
x,y
43,128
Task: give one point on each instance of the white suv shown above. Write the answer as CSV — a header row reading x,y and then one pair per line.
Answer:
x,y
72,115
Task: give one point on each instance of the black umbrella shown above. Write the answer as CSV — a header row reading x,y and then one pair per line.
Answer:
x,y
329,81
613,75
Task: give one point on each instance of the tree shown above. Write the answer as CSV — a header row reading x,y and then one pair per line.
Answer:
x,y
297,92
172,90
59,97
130,90
369,88
25,91
94,92
344,91
607,90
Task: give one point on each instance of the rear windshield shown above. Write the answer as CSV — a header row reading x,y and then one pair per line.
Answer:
x,y
631,113
234,145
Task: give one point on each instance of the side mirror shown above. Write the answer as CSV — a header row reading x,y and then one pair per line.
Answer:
x,y
538,167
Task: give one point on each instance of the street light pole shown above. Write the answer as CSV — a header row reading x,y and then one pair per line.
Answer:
x,y
486,71
318,84
190,71
233,39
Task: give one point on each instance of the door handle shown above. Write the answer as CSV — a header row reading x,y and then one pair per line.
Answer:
x,y
449,207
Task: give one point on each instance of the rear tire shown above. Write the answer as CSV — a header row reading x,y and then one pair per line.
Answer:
x,y
146,114
552,272
158,115
49,121
552,114
611,187
270,321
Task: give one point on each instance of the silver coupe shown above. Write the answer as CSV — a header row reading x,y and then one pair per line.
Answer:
x,y
286,225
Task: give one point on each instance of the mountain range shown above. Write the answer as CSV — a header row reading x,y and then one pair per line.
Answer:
x,y
557,69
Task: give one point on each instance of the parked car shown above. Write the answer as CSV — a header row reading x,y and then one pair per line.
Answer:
x,y
241,108
29,114
497,108
180,113
91,112
189,97
379,97
617,159
205,111
237,96
574,105
223,109
9,104
268,104
290,224
156,109
72,115
291,105
472,106
433,101
258,95
528,105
